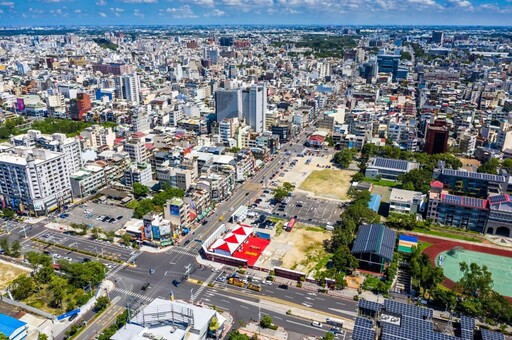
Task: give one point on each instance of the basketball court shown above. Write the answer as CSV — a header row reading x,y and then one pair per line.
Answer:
x,y
499,266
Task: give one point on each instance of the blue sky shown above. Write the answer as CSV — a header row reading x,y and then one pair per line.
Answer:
x,y
184,12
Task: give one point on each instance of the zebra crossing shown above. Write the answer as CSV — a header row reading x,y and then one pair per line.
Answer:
x,y
182,251
203,286
136,295
115,271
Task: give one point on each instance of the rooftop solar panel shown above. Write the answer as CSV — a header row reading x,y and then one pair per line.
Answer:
x,y
490,335
364,322
473,175
389,163
498,198
369,305
375,238
467,322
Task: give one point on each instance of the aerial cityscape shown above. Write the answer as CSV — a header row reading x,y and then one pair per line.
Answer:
x,y
249,169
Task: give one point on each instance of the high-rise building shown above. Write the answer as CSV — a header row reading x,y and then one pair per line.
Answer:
x,y
140,121
79,106
136,150
388,63
57,142
228,104
138,173
115,69
211,53
437,37
436,140
128,87
254,106
34,180
226,41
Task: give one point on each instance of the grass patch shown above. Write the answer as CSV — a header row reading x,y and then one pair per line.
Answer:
x,y
383,182
423,246
457,236
323,262
279,228
133,204
371,283
315,229
330,183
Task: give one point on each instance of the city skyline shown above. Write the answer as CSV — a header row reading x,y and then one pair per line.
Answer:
x,y
291,12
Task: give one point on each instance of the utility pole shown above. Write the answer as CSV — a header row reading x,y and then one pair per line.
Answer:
x,y
24,231
191,295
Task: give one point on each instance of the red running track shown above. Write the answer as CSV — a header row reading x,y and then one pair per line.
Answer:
x,y
440,245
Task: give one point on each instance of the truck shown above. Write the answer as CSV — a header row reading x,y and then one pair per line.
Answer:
x,y
254,287
334,322
236,282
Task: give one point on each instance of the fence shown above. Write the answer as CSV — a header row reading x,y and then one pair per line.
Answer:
x,y
28,308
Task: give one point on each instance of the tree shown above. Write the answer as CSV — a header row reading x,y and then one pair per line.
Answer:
x,y
15,249
126,238
343,261
420,179
44,274
42,336
489,167
8,213
476,281
401,221
3,336
328,336
96,231
288,186
236,335
139,189
214,324
358,177
101,303
144,206
344,157
507,164
405,56
58,286
22,287
266,321
424,274
4,245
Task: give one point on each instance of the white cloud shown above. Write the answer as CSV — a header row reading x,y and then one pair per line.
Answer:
x,y
101,3
140,1
101,14
7,3
53,1
138,13
215,13
78,11
205,3
183,12
425,3
117,11
462,4
1,11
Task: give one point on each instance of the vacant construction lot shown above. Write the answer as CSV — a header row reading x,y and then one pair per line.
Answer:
x,y
328,183
9,272
302,249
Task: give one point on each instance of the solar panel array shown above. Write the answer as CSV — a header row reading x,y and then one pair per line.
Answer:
x,y
388,163
393,332
464,201
363,329
467,325
452,199
408,310
369,305
490,335
498,198
473,175
375,238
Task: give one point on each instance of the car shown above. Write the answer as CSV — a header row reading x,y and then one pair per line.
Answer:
x,y
73,317
316,324
247,194
283,286
105,219
221,279
119,217
67,258
145,286
336,330
111,220
231,209
267,282
86,259
205,222
176,283
64,215
56,256
215,270
186,242
110,266
100,218
151,271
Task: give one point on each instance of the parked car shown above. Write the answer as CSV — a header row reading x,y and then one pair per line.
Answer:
x,y
176,283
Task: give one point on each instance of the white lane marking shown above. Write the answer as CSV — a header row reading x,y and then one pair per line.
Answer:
x,y
244,307
302,324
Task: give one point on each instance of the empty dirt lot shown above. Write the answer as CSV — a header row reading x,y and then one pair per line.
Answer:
x,y
9,272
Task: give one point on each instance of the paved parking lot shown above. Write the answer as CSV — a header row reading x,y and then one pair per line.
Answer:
x,y
79,216
311,209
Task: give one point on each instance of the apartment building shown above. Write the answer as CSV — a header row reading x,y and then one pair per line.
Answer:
x,y
87,181
138,173
98,136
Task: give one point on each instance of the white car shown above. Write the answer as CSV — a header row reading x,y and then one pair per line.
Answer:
x,y
316,324
99,218
109,266
68,258
267,282
56,256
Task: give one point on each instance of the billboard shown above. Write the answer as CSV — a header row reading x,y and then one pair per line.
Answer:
x,y
175,210
156,232
147,229
165,229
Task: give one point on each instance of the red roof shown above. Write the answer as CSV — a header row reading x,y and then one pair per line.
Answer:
x,y
239,231
436,184
224,246
149,146
138,134
231,239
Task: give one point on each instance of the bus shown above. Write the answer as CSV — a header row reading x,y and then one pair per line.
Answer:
x,y
334,322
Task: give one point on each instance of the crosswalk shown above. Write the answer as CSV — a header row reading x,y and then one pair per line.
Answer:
x,y
203,286
136,295
183,252
114,271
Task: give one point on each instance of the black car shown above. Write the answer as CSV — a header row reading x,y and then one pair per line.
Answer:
x,y
86,259
204,222
145,286
186,242
111,220
283,286
73,317
176,283
119,217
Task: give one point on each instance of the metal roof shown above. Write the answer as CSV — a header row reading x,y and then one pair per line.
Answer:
x,y
9,325
474,175
376,239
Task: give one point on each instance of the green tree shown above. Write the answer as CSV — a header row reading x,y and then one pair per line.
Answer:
x,y
266,321
15,249
401,221
42,336
35,258
280,193
8,213
144,207
489,167
101,303
507,164
420,179
236,335
22,287
3,336
344,157
405,56
343,260
126,238
288,186
4,245
44,274
476,281
96,231
83,274
328,336
58,286
214,324
424,274
358,177
140,190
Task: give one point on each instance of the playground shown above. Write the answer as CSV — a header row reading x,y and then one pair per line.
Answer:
x,y
499,266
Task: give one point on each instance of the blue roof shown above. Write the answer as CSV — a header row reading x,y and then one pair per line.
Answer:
x,y
374,202
8,325
408,238
376,239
